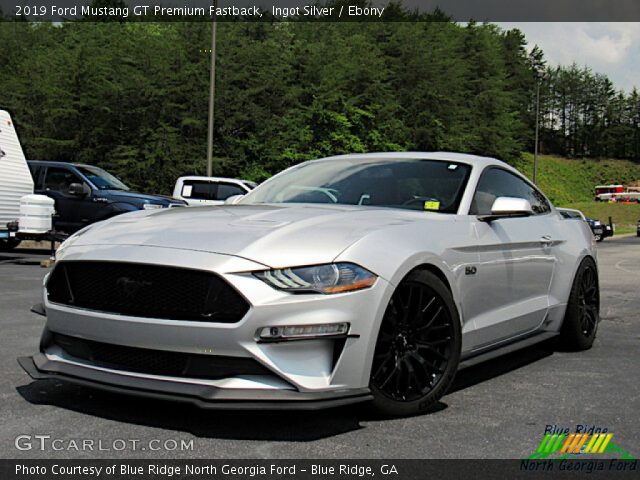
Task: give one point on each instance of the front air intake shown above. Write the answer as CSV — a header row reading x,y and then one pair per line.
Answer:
x,y
142,290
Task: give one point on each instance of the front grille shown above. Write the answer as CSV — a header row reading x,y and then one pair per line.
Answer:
x,y
157,362
146,291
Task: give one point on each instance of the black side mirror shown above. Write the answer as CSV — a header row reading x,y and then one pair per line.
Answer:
x,y
78,190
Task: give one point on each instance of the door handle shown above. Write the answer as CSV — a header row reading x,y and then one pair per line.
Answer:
x,y
546,240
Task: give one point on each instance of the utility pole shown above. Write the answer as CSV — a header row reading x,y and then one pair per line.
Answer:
x,y
535,147
212,89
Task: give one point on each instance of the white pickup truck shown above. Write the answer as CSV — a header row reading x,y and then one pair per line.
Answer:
x,y
201,191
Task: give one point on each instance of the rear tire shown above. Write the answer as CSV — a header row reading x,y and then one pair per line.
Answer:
x,y
418,348
581,319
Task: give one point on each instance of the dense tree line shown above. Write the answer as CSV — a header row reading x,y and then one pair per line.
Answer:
x,y
132,97
583,115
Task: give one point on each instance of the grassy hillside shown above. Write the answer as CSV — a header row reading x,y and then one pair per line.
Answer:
x,y
624,216
567,181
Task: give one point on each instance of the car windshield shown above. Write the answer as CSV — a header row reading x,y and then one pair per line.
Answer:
x,y
415,184
101,179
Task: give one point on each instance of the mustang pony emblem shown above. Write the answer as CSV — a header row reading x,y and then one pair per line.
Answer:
x,y
130,287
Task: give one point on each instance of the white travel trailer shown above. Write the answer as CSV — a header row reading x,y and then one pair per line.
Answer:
x,y
15,179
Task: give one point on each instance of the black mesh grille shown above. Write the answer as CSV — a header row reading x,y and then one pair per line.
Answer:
x,y
146,291
158,362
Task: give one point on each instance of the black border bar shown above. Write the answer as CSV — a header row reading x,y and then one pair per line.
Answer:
x,y
341,10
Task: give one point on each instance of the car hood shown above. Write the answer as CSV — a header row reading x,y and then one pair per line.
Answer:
x,y
275,236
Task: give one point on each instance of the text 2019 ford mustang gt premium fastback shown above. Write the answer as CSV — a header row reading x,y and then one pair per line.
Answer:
x,y
352,278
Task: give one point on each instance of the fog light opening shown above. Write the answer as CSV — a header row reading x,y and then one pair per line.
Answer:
x,y
302,332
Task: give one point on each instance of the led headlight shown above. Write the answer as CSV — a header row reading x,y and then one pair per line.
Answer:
x,y
328,278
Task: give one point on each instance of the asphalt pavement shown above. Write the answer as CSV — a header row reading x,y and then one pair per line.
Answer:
x,y
498,409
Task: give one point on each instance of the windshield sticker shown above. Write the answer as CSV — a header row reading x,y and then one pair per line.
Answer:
x,y
432,205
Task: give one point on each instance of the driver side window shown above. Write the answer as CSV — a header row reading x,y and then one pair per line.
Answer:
x,y
496,182
59,179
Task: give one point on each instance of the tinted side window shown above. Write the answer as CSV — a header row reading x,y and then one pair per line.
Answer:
x,y
199,190
495,183
226,190
59,179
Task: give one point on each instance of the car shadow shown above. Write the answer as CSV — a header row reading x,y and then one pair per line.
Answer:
x,y
470,376
296,426
23,256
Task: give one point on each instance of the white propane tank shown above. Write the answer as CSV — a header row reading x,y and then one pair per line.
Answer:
x,y
35,214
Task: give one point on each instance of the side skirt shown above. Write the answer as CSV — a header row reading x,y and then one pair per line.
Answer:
x,y
474,358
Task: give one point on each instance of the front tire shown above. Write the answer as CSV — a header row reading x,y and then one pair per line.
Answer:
x,y
418,348
583,309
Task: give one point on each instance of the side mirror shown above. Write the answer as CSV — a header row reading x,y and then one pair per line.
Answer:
x,y
233,199
508,207
79,190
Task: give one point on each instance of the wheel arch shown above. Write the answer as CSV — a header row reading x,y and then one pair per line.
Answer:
x,y
442,276
430,267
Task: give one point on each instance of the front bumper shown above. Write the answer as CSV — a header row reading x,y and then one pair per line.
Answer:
x,y
310,373
39,367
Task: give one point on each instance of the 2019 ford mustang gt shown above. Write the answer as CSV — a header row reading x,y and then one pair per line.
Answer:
x,y
345,279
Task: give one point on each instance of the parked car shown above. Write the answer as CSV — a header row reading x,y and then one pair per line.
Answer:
x,y
377,281
85,194
600,230
638,229
200,191
15,181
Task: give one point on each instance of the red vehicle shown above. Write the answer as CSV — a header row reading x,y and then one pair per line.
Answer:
x,y
604,193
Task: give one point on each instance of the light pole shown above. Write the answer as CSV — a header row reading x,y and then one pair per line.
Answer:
x,y
212,87
539,78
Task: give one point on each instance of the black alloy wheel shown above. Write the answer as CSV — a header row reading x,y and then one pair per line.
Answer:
x,y
418,347
588,300
583,309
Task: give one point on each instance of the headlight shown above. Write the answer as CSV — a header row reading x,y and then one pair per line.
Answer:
x,y
328,278
151,206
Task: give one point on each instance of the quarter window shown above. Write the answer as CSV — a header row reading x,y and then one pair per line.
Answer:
x,y
226,190
496,182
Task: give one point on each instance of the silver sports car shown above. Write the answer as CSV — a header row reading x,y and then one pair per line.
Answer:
x,y
353,278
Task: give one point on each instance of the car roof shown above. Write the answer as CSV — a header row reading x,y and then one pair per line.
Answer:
x,y
49,162
568,210
212,179
474,160
55,162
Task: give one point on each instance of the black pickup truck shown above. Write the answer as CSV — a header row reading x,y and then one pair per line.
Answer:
x,y
85,194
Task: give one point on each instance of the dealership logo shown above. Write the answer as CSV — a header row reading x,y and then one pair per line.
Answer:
x,y
130,287
560,443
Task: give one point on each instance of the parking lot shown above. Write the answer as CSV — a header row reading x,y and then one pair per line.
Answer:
x,y
496,410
